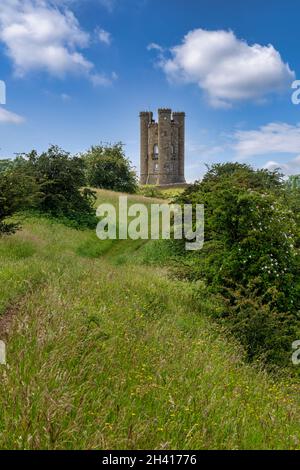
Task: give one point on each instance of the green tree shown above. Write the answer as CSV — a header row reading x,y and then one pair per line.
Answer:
x,y
5,164
17,192
108,168
60,178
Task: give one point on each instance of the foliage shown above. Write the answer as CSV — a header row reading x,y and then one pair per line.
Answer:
x,y
60,178
151,191
17,191
294,182
251,246
108,168
5,164
292,200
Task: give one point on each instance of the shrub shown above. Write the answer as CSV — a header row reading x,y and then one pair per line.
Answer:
x,y
265,332
151,191
108,168
251,246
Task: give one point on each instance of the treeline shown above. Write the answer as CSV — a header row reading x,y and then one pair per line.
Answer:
x,y
251,256
56,183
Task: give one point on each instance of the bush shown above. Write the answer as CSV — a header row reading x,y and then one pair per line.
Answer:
x,y
265,332
151,191
251,246
108,168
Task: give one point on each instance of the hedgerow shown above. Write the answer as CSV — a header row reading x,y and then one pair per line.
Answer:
x,y
251,256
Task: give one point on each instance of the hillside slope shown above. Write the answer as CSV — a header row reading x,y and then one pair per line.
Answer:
x,y
116,356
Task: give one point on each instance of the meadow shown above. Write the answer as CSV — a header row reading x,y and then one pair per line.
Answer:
x,y
107,350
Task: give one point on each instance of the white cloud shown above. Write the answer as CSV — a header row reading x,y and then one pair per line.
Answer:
x,y
108,4
40,36
153,46
7,117
228,69
65,97
272,138
103,80
104,36
206,151
280,141
291,167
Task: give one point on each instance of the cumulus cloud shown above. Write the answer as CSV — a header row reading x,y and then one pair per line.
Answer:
x,y
226,68
40,36
7,117
272,138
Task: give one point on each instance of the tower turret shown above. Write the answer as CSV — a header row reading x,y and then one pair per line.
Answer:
x,y
179,119
145,119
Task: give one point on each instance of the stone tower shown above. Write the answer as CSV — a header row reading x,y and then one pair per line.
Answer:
x,y
162,147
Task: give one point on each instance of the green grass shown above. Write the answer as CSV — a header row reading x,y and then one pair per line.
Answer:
x,y
164,193
106,352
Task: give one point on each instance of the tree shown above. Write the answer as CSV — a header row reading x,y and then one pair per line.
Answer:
x,y
5,164
17,192
108,168
60,178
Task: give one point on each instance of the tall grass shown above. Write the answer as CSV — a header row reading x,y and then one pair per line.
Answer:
x,y
104,353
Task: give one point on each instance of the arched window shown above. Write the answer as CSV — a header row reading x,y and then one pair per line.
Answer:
x,y
155,152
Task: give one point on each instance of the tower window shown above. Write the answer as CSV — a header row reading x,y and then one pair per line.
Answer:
x,y
155,152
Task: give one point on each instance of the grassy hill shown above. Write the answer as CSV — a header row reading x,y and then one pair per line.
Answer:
x,y
107,352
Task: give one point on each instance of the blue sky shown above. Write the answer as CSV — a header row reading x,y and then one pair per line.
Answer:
x,y
79,71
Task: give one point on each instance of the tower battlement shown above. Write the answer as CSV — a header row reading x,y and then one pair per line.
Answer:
x,y
162,147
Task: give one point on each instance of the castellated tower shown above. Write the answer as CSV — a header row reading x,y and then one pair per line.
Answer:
x,y
162,148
